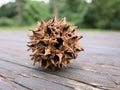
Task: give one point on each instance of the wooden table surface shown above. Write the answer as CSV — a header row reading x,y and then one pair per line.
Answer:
x,y
97,68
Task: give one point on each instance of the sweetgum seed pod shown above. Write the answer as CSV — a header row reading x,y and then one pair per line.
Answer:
x,y
54,44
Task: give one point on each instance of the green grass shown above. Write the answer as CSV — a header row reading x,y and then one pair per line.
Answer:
x,y
98,30
17,28
26,28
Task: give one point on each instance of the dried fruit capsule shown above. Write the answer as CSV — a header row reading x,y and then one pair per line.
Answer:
x,y
54,43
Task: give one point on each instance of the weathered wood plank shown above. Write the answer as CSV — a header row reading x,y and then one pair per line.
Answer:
x,y
98,66
16,74
34,79
93,74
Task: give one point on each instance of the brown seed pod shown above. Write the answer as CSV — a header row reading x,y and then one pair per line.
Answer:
x,y
54,43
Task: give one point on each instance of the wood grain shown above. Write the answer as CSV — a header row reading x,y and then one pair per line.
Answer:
x,y
98,67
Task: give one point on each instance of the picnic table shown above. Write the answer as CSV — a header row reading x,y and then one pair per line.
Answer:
x,y
97,68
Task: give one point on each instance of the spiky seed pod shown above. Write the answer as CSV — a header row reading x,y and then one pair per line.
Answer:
x,y
54,44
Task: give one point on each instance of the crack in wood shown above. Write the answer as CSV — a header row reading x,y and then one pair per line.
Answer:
x,y
54,82
21,85
2,76
12,80
7,82
95,86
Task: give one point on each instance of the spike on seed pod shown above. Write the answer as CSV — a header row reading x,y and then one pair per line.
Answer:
x,y
54,44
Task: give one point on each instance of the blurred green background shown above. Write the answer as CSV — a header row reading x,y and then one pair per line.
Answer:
x,y
86,14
